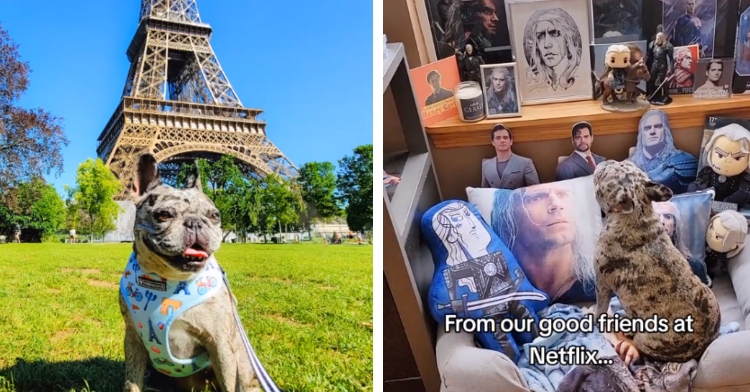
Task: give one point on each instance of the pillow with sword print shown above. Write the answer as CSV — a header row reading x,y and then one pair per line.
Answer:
x,y
477,277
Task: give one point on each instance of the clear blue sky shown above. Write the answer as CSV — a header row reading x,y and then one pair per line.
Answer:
x,y
307,64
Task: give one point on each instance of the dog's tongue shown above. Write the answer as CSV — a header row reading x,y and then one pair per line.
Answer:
x,y
195,252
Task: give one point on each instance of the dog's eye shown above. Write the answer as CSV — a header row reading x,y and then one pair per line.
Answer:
x,y
163,216
215,216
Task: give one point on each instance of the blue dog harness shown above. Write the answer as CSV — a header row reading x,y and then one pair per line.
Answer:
x,y
155,302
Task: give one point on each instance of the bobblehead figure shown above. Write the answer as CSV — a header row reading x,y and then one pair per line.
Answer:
x,y
582,161
507,170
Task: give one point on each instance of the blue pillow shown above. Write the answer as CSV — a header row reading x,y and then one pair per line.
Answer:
x,y
477,277
686,218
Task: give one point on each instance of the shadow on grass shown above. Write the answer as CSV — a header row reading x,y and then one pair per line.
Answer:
x,y
97,374
101,374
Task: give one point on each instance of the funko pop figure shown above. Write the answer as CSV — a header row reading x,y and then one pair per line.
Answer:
x,y
727,156
618,83
617,63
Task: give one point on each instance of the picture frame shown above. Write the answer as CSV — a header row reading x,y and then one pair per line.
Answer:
x,y
741,79
482,23
555,74
742,44
500,89
691,22
617,22
686,62
713,79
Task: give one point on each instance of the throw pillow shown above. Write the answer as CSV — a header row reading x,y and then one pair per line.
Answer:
x,y
477,277
686,218
551,229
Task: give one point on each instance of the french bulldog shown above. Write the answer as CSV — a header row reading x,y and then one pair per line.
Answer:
x,y
178,312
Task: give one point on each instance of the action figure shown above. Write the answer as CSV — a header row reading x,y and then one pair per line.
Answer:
x,y
727,155
616,65
469,64
618,83
725,238
660,62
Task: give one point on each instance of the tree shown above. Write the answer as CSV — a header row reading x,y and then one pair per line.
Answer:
x,y
96,188
317,182
35,205
354,183
282,201
30,139
48,213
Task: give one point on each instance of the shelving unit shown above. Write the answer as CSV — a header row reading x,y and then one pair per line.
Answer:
x,y
553,121
410,266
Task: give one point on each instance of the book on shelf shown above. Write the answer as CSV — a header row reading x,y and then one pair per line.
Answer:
x,y
433,87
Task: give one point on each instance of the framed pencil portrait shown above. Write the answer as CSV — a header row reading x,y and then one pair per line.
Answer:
x,y
500,90
550,40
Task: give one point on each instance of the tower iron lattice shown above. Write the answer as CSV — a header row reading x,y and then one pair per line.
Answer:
x,y
178,103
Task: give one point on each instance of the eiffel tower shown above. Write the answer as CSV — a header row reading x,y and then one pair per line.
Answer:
x,y
179,105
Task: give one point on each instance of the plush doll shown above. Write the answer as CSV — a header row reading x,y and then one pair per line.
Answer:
x,y
727,154
725,238
477,277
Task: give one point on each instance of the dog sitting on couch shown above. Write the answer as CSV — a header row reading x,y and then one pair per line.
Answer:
x,y
177,310
636,260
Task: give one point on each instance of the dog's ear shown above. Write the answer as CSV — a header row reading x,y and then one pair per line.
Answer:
x,y
148,175
658,192
194,179
623,204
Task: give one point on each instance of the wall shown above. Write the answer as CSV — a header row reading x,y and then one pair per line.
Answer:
x,y
458,168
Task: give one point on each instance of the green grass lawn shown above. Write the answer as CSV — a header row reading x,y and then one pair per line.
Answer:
x,y
307,310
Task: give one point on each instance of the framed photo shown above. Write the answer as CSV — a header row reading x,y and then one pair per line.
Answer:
x,y
683,76
691,22
741,79
713,79
501,97
742,51
550,40
481,23
617,21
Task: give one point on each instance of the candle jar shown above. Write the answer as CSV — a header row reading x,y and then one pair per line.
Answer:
x,y
470,101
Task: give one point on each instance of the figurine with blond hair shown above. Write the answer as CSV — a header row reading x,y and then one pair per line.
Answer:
x,y
725,238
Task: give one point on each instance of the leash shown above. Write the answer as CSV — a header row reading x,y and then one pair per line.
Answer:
x,y
265,379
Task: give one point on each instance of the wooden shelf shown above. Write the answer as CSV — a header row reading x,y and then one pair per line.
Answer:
x,y
553,121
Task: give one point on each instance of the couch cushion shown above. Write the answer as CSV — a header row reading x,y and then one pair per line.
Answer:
x,y
726,362
467,368
739,271
725,294
552,229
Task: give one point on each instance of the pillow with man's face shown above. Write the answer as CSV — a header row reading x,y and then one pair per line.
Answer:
x,y
686,219
551,229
